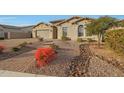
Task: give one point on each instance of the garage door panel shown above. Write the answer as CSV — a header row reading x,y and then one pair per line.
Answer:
x,y
43,34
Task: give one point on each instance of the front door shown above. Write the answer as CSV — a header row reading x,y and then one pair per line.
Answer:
x,y
55,33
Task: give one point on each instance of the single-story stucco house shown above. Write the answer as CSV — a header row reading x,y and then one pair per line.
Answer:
x,y
72,28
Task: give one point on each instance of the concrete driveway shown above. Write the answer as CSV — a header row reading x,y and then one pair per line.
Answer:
x,y
5,73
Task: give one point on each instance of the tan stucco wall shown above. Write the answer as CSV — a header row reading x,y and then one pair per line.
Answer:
x,y
33,34
70,33
72,29
84,23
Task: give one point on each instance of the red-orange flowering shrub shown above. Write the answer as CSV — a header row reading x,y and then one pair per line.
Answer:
x,y
44,56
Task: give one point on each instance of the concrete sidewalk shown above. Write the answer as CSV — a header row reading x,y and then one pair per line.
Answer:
x,y
5,73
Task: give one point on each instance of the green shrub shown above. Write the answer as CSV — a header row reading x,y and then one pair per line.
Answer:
x,y
23,44
15,49
40,39
90,40
65,38
1,38
114,39
55,47
79,40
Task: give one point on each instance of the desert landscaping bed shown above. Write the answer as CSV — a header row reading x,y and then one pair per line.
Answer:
x,y
73,59
109,56
88,64
25,44
26,63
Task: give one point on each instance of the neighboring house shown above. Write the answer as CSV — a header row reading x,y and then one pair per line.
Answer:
x,y
15,35
72,28
2,36
18,35
13,32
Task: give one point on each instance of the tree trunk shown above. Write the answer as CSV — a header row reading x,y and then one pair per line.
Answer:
x,y
99,40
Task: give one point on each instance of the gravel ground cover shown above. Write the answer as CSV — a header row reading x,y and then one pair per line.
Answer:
x,y
100,68
26,63
9,43
108,56
67,51
73,60
90,65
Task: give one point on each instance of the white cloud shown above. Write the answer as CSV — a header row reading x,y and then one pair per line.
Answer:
x,y
7,18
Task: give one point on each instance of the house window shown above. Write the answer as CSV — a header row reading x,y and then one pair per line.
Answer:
x,y
64,30
80,30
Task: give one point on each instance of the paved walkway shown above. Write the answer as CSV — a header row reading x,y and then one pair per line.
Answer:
x,y
5,73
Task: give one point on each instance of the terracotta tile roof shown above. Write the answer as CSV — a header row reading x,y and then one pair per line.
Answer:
x,y
41,23
74,17
61,21
82,20
57,21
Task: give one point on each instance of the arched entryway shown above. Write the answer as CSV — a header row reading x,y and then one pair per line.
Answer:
x,y
55,32
81,31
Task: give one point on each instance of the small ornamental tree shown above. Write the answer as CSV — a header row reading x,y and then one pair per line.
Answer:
x,y
99,26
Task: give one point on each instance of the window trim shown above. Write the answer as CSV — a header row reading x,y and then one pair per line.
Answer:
x,y
81,32
64,31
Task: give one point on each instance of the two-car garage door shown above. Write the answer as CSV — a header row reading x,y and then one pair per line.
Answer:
x,y
46,34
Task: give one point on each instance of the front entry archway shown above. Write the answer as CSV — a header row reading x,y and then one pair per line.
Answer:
x,y
55,33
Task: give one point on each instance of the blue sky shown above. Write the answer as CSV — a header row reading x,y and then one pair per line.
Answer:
x,y
25,20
